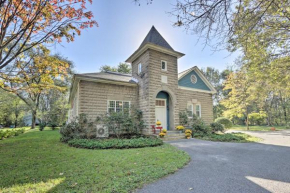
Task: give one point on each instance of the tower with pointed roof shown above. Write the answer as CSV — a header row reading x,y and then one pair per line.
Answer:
x,y
154,65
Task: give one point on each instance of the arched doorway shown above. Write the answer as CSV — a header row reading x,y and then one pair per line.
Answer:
x,y
162,107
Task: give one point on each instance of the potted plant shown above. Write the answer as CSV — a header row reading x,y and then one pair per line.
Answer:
x,y
188,133
180,128
158,123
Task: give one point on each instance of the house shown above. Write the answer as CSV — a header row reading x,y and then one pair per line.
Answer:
x,y
155,87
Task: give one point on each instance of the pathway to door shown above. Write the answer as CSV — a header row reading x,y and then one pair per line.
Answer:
x,y
230,167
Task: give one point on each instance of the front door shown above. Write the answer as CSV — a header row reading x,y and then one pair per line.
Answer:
x,y
160,112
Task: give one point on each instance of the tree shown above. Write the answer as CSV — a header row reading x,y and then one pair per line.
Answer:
x,y
33,75
217,78
123,68
225,21
11,109
239,100
26,24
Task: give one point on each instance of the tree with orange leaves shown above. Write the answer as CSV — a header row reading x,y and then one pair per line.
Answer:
x,y
27,23
34,74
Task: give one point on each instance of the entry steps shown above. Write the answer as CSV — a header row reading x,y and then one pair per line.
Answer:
x,y
172,135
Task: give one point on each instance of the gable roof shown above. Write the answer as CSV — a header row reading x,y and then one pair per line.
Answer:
x,y
156,38
200,74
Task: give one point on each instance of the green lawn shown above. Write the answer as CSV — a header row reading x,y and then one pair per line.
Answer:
x,y
38,162
257,128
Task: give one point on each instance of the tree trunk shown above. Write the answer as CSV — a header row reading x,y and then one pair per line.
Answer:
x,y
33,122
247,120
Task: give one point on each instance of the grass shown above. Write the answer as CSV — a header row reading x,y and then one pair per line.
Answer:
x,y
257,128
230,137
38,162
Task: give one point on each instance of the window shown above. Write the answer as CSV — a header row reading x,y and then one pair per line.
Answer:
x,y
198,110
190,110
193,79
118,106
160,103
139,68
163,65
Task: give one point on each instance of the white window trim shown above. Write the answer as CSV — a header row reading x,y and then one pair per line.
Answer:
x,y
194,109
108,102
139,70
165,65
191,109
199,109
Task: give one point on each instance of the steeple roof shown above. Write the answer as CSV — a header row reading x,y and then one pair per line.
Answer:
x,y
155,37
154,41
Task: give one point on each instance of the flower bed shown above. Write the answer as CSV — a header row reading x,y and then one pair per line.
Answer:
x,y
115,143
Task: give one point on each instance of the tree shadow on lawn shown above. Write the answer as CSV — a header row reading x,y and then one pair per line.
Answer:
x,y
228,167
39,162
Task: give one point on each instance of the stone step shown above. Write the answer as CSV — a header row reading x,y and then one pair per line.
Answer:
x,y
172,138
170,132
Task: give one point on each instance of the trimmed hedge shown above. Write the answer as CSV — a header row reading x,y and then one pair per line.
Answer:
x,y
115,143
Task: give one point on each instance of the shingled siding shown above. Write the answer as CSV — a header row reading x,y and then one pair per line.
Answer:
x,y
205,100
143,83
93,97
150,84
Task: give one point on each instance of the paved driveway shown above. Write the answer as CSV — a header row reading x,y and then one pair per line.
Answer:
x,y
231,167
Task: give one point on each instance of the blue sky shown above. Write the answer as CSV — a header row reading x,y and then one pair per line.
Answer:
x,y
122,27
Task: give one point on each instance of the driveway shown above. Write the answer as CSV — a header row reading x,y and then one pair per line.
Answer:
x,y
231,167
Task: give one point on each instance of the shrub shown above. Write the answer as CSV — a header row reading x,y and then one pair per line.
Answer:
x,y
225,122
183,118
216,127
42,126
199,128
77,128
53,126
288,126
115,143
11,133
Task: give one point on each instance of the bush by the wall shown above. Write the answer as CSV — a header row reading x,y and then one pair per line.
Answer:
x,y
225,122
198,127
215,126
79,128
118,124
115,143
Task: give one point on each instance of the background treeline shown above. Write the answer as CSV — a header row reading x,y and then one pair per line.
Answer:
x,y
244,99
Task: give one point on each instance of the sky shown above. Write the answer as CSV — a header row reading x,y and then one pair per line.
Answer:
x,y
122,26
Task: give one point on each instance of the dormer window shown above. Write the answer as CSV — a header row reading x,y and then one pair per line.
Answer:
x,y
139,68
163,65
